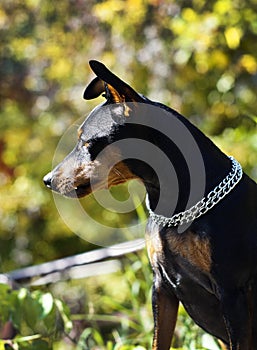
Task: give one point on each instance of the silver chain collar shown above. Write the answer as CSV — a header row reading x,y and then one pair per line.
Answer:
x,y
205,204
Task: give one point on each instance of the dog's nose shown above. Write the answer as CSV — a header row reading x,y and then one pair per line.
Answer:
x,y
48,180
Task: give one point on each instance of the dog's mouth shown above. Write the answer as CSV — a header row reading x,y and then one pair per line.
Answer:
x,y
79,191
83,190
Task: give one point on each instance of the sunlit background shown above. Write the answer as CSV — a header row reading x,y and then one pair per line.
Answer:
x,y
199,57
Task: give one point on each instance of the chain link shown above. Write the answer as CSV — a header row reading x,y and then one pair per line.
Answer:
x,y
206,203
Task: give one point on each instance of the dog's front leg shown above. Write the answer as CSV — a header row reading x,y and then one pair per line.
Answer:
x,y
237,317
165,309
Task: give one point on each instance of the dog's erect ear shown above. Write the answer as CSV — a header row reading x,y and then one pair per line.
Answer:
x,y
115,89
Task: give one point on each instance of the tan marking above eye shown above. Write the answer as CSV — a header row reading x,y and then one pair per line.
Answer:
x,y
80,131
86,144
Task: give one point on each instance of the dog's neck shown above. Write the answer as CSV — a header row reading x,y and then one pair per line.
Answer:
x,y
173,200
169,190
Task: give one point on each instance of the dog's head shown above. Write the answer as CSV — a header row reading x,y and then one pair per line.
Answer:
x,y
86,167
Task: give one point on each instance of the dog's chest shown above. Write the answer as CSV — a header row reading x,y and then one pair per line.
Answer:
x,y
183,260
192,248
171,248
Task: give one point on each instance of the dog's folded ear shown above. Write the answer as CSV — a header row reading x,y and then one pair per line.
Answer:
x,y
94,89
115,89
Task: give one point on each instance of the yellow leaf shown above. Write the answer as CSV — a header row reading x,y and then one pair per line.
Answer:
x,y
223,6
3,19
233,36
107,10
249,63
189,15
59,69
219,59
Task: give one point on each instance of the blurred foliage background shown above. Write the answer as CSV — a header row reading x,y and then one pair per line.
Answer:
x,y
196,56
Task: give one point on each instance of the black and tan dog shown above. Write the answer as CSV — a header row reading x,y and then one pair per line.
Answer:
x,y
211,265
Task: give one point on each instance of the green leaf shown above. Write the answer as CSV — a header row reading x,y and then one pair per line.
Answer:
x,y
47,302
32,311
2,345
5,302
65,314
